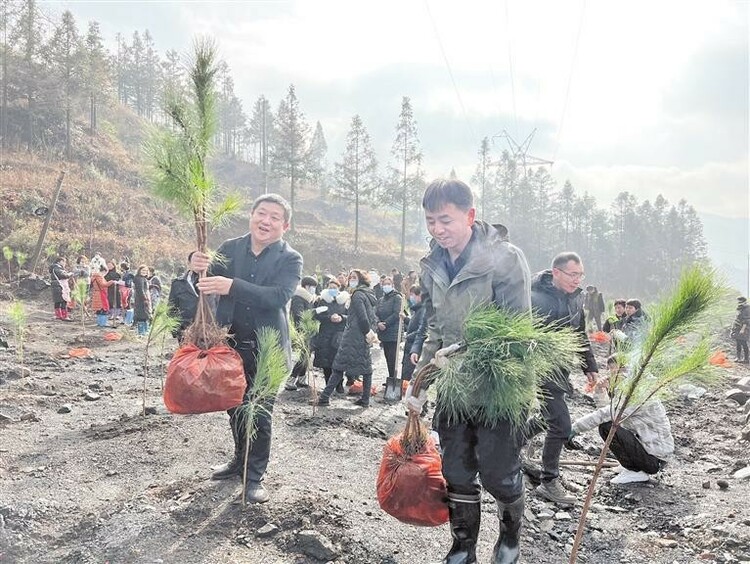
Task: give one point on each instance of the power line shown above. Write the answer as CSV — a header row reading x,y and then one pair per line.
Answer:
x,y
510,67
570,80
448,67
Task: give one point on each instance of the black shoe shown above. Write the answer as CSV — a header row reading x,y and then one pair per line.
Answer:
x,y
256,493
229,470
322,402
464,521
291,386
340,389
362,403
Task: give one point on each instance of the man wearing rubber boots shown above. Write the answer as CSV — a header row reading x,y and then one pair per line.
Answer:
x,y
470,264
255,277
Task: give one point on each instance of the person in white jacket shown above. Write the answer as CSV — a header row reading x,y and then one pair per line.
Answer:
x,y
642,443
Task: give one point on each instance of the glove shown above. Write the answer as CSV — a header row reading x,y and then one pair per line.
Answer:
x,y
572,443
321,309
371,337
441,356
414,403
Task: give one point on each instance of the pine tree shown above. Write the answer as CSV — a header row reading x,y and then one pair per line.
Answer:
x,y
27,38
406,178
65,50
289,157
150,75
356,175
481,177
316,156
96,72
136,72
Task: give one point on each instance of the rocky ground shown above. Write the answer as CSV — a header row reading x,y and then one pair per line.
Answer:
x,y
84,477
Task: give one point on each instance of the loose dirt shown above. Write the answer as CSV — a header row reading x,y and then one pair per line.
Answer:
x,y
103,483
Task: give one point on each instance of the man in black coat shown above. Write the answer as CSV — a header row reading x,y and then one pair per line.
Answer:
x,y
556,297
255,281
183,299
414,322
303,300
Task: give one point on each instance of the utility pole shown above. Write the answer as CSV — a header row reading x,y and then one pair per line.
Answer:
x,y
47,220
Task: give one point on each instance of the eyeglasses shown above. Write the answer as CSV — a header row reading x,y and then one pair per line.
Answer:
x,y
573,275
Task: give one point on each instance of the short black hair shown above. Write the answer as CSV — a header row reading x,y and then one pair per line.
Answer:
x,y
635,303
442,192
564,258
308,281
621,302
274,199
416,290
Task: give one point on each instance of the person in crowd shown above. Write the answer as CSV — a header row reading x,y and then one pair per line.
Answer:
x,y
113,293
741,330
353,357
343,279
414,322
254,282
642,443
126,293
96,263
60,287
183,299
397,278
593,304
302,300
634,317
378,288
100,295
556,297
388,314
154,287
332,312
82,270
142,310
471,264
615,321
411,279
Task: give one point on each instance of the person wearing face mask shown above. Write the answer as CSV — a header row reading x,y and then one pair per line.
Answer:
x,y
388,313
414,321
302,300
331,311
353,356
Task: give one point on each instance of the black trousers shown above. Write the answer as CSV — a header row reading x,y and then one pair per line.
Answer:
x,y
629,451
555,418
390,350
260,445
472,451
742,346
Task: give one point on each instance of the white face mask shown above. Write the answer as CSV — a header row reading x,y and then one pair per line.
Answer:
x,y
353,283
311,289
387,289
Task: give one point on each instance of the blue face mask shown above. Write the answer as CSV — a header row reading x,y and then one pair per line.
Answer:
x,y
412,301
333,292
387,289
353,283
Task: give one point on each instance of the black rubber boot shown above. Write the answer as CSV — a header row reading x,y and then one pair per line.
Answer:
x,y
235,466
465,514
507,548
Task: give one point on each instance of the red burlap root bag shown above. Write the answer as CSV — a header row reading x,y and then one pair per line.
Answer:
x,y
201,381
412,489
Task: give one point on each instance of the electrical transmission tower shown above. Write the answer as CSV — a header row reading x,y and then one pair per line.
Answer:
x,y
519,152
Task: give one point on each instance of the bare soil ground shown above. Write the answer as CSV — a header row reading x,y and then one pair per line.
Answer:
x,y
103,483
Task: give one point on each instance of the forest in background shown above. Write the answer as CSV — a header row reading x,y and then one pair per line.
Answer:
x,y
65,98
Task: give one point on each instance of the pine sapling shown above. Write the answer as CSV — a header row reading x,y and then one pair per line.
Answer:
x,y
8,255
162,324
673,347
80,293
21,260
18,319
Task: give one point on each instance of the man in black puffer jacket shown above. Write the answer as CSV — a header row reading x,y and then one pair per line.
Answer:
x,y
556,297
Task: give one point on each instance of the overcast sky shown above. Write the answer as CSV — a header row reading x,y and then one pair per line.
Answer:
x,y
650,97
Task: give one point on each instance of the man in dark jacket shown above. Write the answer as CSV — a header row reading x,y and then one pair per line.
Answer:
x,y
183,299
556,297
615,321
255,281
302,300
416,315
594,306
741,329
471,264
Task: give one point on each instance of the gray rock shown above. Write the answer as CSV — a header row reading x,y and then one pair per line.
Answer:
x,y
316,545
667,543
546,525
29,417
742,474
562,516
707,485
545,514
267,530
723,484
91,396
65,408
150,410
738,395
6,418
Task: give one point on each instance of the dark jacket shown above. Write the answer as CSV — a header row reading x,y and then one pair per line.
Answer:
x,y
302,300
632,323
495,272
387,311
561,309
742,320
594,302
328,339
142,300
413,340
614,322
59,276
113,292
183,300
265,299
353,356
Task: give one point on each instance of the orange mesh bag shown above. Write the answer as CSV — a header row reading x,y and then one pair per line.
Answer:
x,y
410,483
357,387
600,337
201,381
719,358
